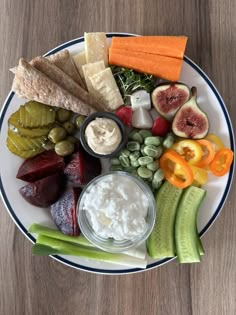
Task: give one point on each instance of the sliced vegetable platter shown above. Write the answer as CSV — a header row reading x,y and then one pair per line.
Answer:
x,y
217,188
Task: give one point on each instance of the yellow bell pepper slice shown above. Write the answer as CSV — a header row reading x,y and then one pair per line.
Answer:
x,y
200,175
215,140
190,150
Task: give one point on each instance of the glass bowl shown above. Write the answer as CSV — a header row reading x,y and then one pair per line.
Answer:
x,y
110,244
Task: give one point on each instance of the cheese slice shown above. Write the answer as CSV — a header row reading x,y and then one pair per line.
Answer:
x,y
89,69
80,60
96,48
105,85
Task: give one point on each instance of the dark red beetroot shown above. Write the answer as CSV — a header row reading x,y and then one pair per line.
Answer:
x,y
40,166
64,212
82,167
44,192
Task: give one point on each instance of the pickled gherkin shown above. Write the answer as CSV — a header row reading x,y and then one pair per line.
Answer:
x,y
25,147
34,114
14,125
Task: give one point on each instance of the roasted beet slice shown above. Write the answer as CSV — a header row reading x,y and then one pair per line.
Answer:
x,y
82,168
44,192
40,166
64,212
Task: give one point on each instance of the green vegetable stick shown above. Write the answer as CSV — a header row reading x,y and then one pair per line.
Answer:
x,y
65,248
44,230
139,252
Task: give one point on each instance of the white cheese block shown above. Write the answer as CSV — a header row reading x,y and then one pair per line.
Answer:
x,y
96,48
80,60
90,69
140,99
105,84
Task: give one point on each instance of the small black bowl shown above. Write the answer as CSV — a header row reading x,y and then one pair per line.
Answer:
x,y
103,115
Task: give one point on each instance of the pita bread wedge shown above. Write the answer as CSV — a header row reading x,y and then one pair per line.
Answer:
x,y
64,61
61,78
34,85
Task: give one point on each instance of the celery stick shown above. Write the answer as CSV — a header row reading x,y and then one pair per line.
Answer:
x,y
139,252
44,250
66,248
44,230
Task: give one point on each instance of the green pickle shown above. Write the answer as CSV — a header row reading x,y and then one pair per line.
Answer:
x,y
34,114
25,147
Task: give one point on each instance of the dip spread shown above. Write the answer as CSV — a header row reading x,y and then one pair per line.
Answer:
x,y
117,207
103,135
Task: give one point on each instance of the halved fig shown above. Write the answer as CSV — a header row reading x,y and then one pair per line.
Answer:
x,y
167,98
82,167
190,121
64,212
40,166
44,192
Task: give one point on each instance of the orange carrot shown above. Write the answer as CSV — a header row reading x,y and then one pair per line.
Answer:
x,y
160,66
171,46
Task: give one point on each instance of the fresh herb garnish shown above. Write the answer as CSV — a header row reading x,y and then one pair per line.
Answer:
x,y
129,81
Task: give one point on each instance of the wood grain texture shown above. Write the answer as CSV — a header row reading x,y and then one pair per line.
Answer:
x,y
39,285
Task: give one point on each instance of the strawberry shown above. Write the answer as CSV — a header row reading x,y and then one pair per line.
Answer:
x,y
161,126
125,115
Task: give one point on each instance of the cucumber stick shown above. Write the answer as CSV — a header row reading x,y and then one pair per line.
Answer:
x,y
188,244
161,243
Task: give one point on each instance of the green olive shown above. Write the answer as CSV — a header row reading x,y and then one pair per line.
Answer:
x,y
79,121
57,134
69,127
64,148
63,114
72,139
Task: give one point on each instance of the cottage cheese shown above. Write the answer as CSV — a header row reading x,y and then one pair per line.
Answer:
x,y
117,207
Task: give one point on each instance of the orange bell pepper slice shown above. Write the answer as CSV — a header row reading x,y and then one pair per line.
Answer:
x,y
168,162
208,153
222,162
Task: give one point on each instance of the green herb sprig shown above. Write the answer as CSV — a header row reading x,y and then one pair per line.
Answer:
x,y
129,81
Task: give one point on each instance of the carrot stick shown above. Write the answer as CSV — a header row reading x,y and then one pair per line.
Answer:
x,y
171,46
160,66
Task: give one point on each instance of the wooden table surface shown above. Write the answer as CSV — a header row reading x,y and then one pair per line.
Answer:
x,y
40,285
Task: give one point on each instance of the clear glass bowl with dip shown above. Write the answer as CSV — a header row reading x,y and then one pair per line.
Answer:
x,y
103,134
116,211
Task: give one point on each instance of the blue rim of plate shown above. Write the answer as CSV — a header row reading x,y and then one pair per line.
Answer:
x,y
160,262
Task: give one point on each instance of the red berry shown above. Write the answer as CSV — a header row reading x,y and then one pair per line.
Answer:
x,y
161,127
125,114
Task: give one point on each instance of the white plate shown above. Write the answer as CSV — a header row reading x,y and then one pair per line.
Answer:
x,y
23,214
